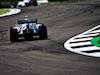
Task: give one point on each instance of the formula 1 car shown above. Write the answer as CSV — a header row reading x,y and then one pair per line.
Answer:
x,y
27,28
25,3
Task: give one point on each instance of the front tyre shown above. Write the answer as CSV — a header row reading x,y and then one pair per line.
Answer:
x,y
13,35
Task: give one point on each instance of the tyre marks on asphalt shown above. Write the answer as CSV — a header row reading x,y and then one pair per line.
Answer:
x,y
81,43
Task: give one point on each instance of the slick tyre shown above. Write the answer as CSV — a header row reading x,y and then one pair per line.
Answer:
x,y
43,32
13,35
35,4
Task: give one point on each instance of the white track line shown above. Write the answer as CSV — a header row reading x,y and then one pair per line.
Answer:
x,y
96,31
73,43
82,39
87,48
80,44
89,35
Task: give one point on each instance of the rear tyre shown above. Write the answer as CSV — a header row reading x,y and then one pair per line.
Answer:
x,y
13,35
35,3
42,32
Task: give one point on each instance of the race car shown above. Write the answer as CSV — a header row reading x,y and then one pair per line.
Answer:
x,y
25,3
14,5
27,28
21,4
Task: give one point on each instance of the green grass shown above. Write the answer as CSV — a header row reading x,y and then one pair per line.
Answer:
x,y
56,2
60,2
4,11
7,4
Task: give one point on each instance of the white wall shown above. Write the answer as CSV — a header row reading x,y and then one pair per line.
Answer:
x,y
42,1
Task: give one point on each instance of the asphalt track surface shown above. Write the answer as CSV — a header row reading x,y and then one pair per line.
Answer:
x,y
49,57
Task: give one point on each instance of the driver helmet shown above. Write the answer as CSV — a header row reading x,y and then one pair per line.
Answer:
x,y
26,18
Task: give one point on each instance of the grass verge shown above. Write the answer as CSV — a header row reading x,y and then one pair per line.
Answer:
x,y
7,4
56,2
60,2
3,11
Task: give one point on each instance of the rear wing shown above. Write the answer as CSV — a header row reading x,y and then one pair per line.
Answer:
x,y
27,21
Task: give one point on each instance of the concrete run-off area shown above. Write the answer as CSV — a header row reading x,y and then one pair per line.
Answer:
x,y
12,12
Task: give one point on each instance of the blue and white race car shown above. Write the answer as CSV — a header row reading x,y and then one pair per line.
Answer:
x,y
27,28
